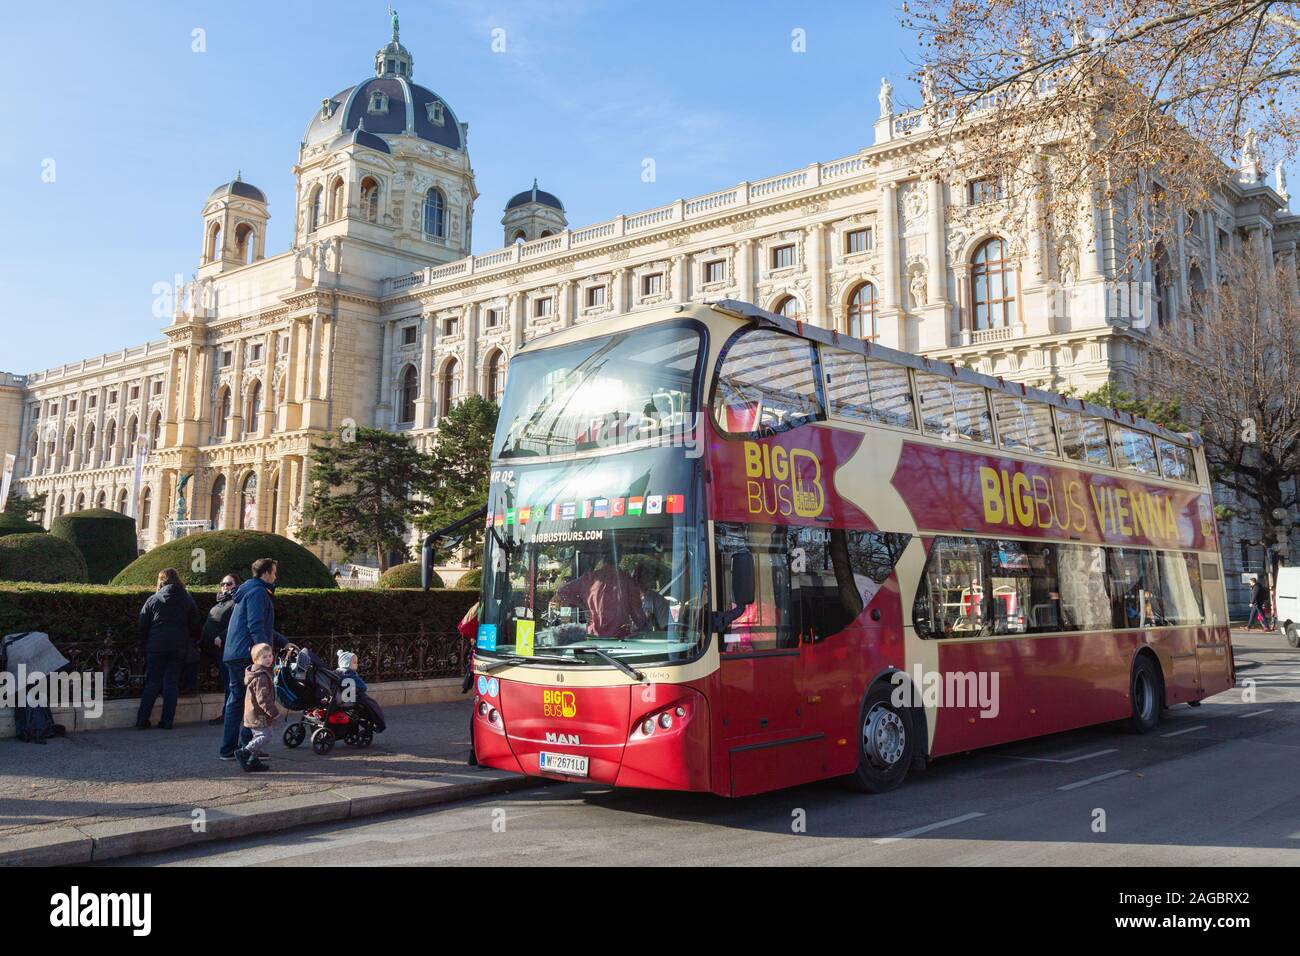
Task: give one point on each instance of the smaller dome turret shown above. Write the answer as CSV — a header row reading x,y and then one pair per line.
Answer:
x,y
234,227
394,60
533,214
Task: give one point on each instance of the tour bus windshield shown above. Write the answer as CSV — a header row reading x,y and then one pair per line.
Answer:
x,y
607,391
593,559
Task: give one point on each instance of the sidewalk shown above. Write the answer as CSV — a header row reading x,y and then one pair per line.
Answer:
x,y
91,797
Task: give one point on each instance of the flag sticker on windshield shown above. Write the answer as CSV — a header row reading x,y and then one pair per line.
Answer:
x,y
674,504
654,505
634,505
618,508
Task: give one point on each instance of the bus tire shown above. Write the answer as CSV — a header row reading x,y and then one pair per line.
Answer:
x,y
1146,693
886,743
1292,634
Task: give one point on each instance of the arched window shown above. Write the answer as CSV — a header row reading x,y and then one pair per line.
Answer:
x,y
132,434
70,448
336,200
244,243
121,502
59,506
450,394
248,502
370,199
495,377
410,392
251,420
223,412
315,209
33,448
101,499
789,307
88,444
214,242
862,312
434,214
81,502
155,430
110,439
519,236
146,507
217,510
993,285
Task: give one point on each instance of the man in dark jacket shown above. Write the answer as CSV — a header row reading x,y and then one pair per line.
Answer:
x,y
1259,604
212,646
169,623
252,621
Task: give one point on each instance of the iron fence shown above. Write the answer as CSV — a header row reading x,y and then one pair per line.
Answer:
x,y
421,655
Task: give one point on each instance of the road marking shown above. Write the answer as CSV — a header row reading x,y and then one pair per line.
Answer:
x,y
1097,753
930,827
1084,783
1185,730
1255,713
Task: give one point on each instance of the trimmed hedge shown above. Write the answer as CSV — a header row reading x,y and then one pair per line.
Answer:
x,y
471,580
80,612
41,558
106,539
12,524
402,576
227,551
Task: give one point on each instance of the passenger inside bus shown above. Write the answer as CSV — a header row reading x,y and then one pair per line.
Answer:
x,y
612,598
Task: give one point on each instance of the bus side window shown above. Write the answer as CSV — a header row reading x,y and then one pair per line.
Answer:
x,y
953,599
767,623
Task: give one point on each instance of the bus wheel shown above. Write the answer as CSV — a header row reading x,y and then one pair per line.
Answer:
x,y
1145,693
885,744
1292,634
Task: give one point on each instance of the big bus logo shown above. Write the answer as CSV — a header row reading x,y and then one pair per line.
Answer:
x,y
782,481
559,703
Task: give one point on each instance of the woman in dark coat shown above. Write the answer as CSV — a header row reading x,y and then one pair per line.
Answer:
x,y
169,624
213,642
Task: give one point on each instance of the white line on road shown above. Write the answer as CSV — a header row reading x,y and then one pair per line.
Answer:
x,y
1096,753
1255,713
926,829
1084,783
1185,730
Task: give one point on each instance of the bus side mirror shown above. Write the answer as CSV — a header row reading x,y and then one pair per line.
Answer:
x,y
426,564
742,578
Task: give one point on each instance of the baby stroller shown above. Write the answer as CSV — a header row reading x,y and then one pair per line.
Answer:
x,y
304,682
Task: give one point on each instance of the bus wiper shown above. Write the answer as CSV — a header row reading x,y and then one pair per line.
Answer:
x,y
519,659
626,668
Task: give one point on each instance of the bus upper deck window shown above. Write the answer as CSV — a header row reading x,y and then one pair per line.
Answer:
x,y
767,383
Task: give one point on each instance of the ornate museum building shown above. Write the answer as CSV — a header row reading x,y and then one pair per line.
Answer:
x,y
379,313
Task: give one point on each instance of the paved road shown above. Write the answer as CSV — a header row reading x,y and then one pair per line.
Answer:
x,y
1219,784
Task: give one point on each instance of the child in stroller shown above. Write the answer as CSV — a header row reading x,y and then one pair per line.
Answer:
x,y
330,709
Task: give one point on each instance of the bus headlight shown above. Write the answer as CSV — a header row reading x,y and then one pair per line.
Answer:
x,y
666,721
648,727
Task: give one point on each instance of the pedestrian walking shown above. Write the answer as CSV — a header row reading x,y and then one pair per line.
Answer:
x,y
212,643
168,627
468,630
252,622
1259,604
260,709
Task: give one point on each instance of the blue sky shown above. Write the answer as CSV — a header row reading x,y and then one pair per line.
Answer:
x,y
141,128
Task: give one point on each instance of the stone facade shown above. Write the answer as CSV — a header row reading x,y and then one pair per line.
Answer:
x,y
371,316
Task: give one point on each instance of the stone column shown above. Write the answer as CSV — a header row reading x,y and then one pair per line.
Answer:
x,y
745,270
311,391
518,308
889,245
292,415
230,506
566,304
818,314
936,262
203,395
235,427
470,319
384,410
96,454
679,288
619,282
424,403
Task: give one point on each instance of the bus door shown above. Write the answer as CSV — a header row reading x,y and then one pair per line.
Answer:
x,y
762,707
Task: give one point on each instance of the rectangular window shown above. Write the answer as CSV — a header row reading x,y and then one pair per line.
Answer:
x,y
1176,462
783,257
767,383
950,599
493,318
857,240
984,190
866,389
408,335
1135,451
157,387
135,393
810,584
227,357
92,401
1085,598
1083,438
72,405
450,327
255,353
1024,425
652,284
595,296
542,307
715,272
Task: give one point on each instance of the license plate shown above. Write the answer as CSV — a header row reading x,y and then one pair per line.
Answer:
x,y
569,764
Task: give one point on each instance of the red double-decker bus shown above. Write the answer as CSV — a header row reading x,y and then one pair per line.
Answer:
x,y
730,552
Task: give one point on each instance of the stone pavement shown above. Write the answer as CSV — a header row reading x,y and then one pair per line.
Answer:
x,y
119,792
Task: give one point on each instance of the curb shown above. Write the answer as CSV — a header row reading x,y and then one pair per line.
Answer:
x,y
116,839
